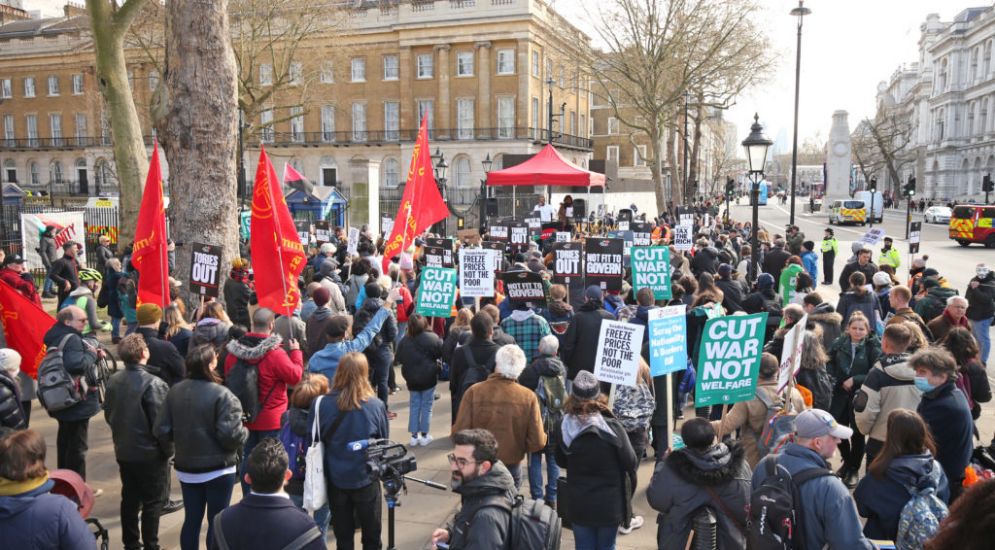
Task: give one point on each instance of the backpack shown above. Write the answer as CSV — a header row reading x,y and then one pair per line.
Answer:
x,y
534,525
474,372
296,448
552,393
920,519
57,389
774,513
243,381
779,425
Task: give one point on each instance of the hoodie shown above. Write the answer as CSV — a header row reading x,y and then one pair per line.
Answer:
x,y
277,370
489,523
881,500
890,385
32,517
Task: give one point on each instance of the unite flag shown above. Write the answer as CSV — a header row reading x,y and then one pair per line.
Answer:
x,y
24,326
149,254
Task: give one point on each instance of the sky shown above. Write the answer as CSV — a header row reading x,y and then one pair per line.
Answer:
x,y
848,47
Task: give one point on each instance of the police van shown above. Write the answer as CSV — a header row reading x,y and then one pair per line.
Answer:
x,y
848,211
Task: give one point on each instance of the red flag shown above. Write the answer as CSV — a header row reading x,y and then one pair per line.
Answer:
x,y
277,255
24,326
421,205
149,255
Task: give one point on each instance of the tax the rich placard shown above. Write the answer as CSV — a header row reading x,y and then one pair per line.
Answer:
x,y
205,275
603,263
729,359
651,269
617,361
436,292
524,287
476,269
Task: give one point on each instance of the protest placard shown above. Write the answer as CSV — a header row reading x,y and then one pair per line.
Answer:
x,y
303,231
476,270
668,340
205,277
353,246
524,287
791,354
436,292
873,236
687,220
322,232
623,225
617,360
682,237
604,262
443,248
386,225
915,235
642,233
563,236
534,224
651,269
729,359
498,232
518,236
433,256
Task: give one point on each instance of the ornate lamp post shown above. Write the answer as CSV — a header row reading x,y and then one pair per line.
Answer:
x,y
487,163
756,146
800,12
440,179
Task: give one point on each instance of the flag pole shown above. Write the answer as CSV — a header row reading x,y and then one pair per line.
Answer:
x,y
279,231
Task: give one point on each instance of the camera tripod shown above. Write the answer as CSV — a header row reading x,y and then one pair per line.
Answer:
x,y
392,486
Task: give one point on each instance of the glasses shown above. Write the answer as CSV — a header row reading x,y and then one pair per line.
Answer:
x,y
459,461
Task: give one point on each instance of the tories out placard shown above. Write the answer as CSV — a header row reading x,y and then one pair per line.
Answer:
x,y
205,276
604,262
436,292
729,359
668,340
476,269
617,361
651,269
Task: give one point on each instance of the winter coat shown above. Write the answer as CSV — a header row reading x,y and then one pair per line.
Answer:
x,y
31,517
580,343
164,360
181,341
277,370
843,364
829,321
749,417
944,323
210,331
820,383
881,500
934,302
688,480
890,385
249,524
22,284
811,262
558,315
11,413
509,411
78,358
732,294
866,303
458,336
344,468
353,286
981,300
326,360
203,420
795,242
290,327
975,380
705,260
601,469
48,251
946,413
483,352
314,330
132,402
418,356
907,314
773,262
477,526
543,365
103,254
827,511
114,310
238,296
868,269
83,298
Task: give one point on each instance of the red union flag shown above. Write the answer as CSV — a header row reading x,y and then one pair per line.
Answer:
x,y
24,327
421,205
277,255
149,254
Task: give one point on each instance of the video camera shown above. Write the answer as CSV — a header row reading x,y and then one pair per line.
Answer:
x,y
385,459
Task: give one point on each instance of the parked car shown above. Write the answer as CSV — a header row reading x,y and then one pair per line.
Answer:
x,y
938,214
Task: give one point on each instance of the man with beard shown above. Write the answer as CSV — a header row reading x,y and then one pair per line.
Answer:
x,y
481,480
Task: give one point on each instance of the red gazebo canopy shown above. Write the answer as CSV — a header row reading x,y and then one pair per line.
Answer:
x,y
547,167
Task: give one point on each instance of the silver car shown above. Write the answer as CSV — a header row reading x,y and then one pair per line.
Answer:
x,y
938,214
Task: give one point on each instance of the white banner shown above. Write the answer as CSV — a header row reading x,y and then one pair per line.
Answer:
x,y
68,227
791,354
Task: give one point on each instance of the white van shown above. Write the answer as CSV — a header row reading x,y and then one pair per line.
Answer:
x,y
875,206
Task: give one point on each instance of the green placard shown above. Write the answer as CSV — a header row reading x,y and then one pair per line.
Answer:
x,y
651,268
729,359
436,292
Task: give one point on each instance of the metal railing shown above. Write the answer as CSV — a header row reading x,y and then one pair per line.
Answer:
x,y
380,137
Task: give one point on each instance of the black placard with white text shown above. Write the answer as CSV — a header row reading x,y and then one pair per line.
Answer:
x,y
524,287
603,263
205,272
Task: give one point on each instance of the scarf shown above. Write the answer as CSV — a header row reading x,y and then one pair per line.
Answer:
x,y
9,487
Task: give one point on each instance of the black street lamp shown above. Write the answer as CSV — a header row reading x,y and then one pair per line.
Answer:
x,y
487,163
756,145
440,179
800,12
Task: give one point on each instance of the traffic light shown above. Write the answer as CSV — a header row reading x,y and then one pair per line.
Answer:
x,y
730,186
910,187
874,184
986,184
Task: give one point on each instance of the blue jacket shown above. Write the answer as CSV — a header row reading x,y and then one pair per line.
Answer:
x,y
39,519
811,262
344,468
828,514
946,413
325,361
881,500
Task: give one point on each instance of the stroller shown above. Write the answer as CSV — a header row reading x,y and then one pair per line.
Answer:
x,y
70,485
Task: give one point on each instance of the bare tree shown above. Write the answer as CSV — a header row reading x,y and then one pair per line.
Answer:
x,y
881,144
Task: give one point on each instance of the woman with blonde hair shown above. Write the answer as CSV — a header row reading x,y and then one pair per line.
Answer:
x,y
178,331
296,430
351,412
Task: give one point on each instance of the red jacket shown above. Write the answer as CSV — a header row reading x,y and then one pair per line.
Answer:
x,y
277,370
25,287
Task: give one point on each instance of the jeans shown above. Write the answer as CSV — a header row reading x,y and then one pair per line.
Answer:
x,y
535,474
420,418
348,505
594,538
214,495
516,473
47,289
322,516
115,327
142,486
982,333
380,364
250,443
71,445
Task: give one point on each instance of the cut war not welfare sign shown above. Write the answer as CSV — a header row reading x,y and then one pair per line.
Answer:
x,y
729,359
436,292
651,269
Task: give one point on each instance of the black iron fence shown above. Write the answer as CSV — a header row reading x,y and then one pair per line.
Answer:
x,y
96,222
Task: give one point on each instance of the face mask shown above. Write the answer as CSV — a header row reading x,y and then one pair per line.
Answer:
x,y
982,272
923,384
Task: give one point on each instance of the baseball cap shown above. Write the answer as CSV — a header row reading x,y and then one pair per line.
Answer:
x,y
817,423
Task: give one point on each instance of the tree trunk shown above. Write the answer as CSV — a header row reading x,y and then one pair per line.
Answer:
x,y
676,173
694,186
656,170
197,117
130,156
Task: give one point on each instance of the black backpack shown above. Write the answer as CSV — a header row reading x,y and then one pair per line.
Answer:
x,y
243,381
57,389
774,514
534,525
474,372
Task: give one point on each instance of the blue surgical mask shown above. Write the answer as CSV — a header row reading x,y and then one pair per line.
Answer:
x,y
922,383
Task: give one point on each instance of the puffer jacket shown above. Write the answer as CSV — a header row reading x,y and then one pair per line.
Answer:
x,y
931,305
32,517
204,421
77,358
210,331
417,357
11,414
132,402
490,524
846,362
881,500
679,488
890,385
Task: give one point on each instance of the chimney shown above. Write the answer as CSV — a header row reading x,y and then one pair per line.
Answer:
x,y
73,10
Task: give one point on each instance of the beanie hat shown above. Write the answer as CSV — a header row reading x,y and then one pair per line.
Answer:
x,y
10,360
321,296
593,292
585,386
149,314
766,280
881,279
725,270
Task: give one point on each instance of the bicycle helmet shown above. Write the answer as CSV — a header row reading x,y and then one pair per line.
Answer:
x,y
87,274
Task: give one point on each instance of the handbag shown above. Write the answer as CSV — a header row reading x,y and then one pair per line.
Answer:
x,y
315,487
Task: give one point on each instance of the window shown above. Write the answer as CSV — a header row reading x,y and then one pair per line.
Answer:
x,y
535,63
32,121
328,123
358,73
55,128
426,108
573,123
939,125
33,170
583,126
464,64
78,84
8,130
536,129
266,126
391,67
549,69
327,74
53,85
296,74
941,82
5,89
55,171
988,59
461,173
392,120
80,127
359,122
424,64
153,80
639,155
10,169
612,125
29,86
464,119
506,61
297,124
266,74
974,65
506,117
970,119
105,128
391,173
611,153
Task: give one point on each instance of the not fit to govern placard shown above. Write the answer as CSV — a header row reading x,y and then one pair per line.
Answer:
x,y
617,361
729,359
436,292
